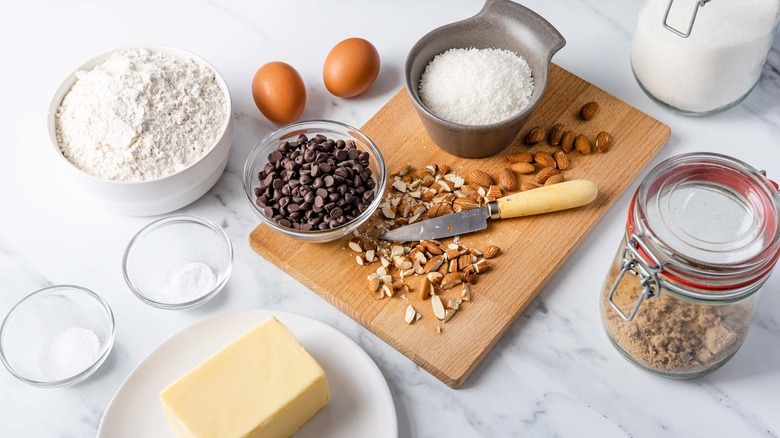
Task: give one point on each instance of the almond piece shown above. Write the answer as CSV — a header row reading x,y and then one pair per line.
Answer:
x,y
435,277
438,307
433,264
582,144
453,303
562,160
555,179
448,314
470,277
479,178
556,134
463,261
567,142
588,111
534,136
545,174
521,157
481,266
603,141
464,204
544,159
524,186
356,244
373,284
465,293
388,290
451,280
431,247
360,260
493,193
523,168
492,251
507,180
424,290
410,314
440,209
370,256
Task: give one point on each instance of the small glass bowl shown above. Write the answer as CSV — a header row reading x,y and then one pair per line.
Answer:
x,y
33,323
155,251
258,157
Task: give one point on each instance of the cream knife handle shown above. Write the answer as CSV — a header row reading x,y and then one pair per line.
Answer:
x,y
568,194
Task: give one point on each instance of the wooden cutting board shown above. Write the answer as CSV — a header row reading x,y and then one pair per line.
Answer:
x,y
533,247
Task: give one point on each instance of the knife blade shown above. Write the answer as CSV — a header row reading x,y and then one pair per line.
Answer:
x,y
545,199
449,225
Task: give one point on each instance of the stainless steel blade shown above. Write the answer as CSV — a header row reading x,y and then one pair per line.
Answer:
x,y
438,228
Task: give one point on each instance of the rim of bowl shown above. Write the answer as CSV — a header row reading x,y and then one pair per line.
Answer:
x,y
249,171
109,343
51,118
174,219
416,49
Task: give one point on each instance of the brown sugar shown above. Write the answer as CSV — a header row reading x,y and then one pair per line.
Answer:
x,y
670,335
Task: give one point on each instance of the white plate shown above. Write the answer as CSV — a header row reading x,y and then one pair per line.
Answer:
x,y
360,405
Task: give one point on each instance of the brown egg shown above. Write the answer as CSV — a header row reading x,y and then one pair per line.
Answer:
x,y
351,67
279,92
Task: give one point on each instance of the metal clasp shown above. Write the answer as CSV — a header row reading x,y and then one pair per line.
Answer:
x,y
699,4
635,265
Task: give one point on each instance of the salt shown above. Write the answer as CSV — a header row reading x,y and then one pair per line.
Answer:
x,y
476,86
187,281
69,353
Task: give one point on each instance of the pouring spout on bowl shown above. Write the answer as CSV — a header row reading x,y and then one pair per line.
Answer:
x,y
545,35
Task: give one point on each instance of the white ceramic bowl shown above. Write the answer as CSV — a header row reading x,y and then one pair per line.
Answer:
x,y
158,196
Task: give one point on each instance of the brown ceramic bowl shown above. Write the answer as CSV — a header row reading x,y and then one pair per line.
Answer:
x,y
501,24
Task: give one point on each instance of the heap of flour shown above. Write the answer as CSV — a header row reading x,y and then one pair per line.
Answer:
x,y
140,115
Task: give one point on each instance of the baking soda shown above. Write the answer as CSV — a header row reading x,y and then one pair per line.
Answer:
x,y
187,281
69,353
476,86
717,65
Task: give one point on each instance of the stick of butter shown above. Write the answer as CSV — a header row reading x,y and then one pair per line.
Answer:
x,y
263,384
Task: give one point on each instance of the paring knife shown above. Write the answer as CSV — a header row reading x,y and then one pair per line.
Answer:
x,y
545,199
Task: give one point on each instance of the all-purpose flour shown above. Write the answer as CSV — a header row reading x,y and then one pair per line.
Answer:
x,y
140,115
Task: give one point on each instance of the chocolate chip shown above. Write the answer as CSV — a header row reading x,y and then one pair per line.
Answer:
x,y
315,184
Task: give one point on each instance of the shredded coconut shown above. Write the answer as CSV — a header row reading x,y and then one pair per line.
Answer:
x,y
140,115
476,86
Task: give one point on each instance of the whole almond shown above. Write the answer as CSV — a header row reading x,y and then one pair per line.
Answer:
x,y
556,134
603,141
582,144
520,157
545,174
567,142
555,179
588,111
562,160
524,186
535,135
523,168
507,180
544,159
479,178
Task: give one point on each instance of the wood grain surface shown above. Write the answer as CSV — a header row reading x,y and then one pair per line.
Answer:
x,y
536,246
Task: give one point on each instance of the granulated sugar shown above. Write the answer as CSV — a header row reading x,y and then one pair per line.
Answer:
x,y
476,86
140,115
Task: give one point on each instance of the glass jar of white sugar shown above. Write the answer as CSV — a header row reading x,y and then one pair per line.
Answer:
x,y
702,56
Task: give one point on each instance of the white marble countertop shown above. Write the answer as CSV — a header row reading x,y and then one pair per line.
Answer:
x,y
553,374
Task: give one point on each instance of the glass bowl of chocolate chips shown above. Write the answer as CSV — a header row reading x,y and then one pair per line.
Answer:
x,y
315,180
